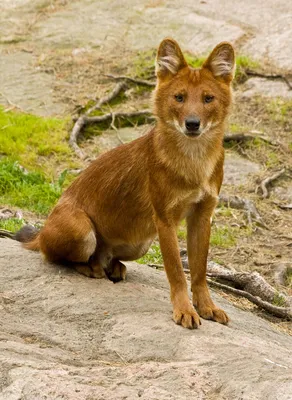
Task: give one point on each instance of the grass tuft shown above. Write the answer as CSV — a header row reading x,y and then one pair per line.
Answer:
x,y
153,256
279,300
12,224
28,190
223,236
35,142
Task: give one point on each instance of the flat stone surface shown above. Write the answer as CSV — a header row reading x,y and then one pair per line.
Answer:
x,y
109,139
237,169
27,87
266,88
259,29
64,336
283,193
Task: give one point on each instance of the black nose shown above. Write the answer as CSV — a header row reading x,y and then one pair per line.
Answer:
x,y
192,124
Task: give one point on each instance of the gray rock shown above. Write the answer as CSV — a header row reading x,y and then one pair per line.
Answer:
x,y
237,169
64,336
110,138
114,29
266,88
27,87
283,193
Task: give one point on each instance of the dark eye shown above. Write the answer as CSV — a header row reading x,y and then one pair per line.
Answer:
x,y
208,98
179,98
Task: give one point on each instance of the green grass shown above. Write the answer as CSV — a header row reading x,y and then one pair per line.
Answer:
x,y
11,224
153,256
280,110
28,190
143,65
236,128
33,152
182,233
224,211
264,152
279,300
223,236
193,61
35,142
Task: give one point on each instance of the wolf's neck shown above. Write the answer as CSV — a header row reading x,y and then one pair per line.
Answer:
x,y
194,159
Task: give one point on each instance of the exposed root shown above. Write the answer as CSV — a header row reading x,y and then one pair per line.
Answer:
x,y
252,283
280,312
264,184
239,203
243,137
83,119
284,206
249,285
79,124
6,234
120,87
110,116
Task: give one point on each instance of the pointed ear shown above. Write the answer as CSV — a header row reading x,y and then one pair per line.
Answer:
x,y
169,59
221,62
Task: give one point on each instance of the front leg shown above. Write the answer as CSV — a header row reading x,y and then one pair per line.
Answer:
x,y
183,312
198,229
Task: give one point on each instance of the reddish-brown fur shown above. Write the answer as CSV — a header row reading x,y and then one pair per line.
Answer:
x,y
119,204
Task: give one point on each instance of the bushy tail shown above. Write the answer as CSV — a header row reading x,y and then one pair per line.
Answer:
x,y
29,236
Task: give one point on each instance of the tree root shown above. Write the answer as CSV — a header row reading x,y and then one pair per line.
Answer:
x,y
284,206
85,119
279,312
252,286
243,137
252,283
247,205
265,182
6,234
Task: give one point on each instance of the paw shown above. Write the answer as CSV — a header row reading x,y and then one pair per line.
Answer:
x,y
186,317
213,313
116,272
90,272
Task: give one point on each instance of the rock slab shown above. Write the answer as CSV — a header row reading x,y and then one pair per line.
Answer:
x,y
64,336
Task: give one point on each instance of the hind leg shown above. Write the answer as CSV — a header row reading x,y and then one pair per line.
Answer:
x,y
69,236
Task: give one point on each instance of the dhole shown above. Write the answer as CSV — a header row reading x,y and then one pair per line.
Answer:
x,y
129,195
